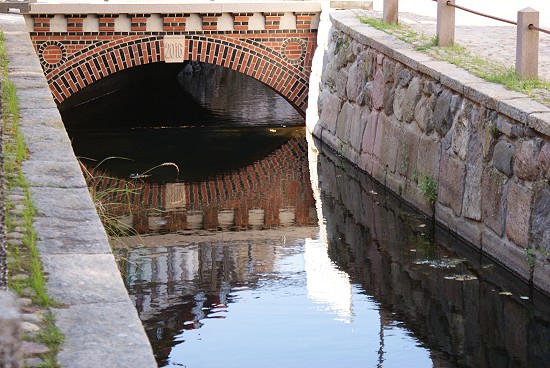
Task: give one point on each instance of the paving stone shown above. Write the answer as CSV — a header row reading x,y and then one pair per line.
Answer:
x,y
14,235
15,242
35,318
33,362
24,302
29,327
126,336
64,203
75,236
33,348
19,277
84,278
57,174
30,117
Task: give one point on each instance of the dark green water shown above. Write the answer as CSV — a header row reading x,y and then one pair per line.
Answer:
x,y
263,253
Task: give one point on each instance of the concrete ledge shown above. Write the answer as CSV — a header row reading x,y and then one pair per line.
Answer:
x,y
169,7
351,4
100,324
17,6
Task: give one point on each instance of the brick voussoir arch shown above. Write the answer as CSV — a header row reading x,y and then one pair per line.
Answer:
x,y
245,56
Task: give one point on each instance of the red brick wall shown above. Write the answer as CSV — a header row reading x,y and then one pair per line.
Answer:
x,y
73,60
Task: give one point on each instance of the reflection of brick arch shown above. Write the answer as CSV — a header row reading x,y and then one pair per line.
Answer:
x,y
275,69
278,181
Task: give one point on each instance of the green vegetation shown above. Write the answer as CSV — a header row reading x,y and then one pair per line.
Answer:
x,y
24,256
116,200
420,40
50,336
428,186
112,201
461,57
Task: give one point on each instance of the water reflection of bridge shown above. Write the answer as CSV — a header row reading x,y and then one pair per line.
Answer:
x,y
271,192
180,286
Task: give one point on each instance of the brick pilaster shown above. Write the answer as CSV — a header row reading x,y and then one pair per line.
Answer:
x,y
174,22
303,20
273,20
107,22
75,22
41,22
210,21
240,21
138,22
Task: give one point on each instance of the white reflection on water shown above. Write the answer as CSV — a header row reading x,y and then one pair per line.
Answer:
x,y
328,287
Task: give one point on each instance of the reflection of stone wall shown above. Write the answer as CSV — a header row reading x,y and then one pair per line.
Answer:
x,y
274,191
370,236
407,120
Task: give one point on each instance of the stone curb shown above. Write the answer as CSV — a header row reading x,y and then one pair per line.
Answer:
x,y
493,96
100,323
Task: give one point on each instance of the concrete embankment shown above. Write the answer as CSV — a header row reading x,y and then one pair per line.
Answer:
x,y
100,324
469,152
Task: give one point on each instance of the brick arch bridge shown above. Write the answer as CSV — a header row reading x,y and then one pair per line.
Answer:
x,y
79,44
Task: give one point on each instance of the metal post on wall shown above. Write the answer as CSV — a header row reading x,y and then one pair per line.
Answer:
x,y
527,44
445,22
390,12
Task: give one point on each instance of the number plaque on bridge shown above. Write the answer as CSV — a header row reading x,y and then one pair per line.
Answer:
x,y
174,48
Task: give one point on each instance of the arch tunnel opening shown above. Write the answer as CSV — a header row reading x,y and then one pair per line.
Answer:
x,y
207,119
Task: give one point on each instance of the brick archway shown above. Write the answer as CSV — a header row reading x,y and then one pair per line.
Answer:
x,y
278,70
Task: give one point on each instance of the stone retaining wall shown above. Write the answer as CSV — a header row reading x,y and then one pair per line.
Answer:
x,y
410,121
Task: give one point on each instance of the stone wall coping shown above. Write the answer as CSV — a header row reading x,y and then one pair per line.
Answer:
x,y
494,96
171,7
99,321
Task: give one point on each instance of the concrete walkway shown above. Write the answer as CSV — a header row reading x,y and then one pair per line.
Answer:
x,y
100,323
482,36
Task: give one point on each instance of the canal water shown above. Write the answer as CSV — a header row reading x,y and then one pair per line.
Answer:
x,y
246,243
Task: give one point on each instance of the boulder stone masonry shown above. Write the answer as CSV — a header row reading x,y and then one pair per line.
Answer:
x,y
402,117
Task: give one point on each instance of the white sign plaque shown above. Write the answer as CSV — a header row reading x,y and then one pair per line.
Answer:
x,y
174,48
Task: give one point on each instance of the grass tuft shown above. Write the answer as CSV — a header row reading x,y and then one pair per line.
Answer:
x,y
428,186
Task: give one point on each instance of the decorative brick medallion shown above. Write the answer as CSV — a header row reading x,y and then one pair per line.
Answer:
x,y
294,50
52,54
